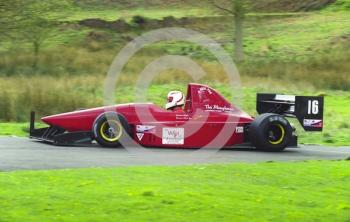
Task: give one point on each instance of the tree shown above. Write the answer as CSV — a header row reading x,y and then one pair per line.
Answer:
x,y
7,17
237,8
30,21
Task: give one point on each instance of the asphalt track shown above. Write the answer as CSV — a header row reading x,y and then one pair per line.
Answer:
x,y
24,154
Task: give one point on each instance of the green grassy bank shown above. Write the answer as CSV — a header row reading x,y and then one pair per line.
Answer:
x,y
307,191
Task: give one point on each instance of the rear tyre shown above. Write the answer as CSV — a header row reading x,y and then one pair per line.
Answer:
x,y
110,129
270,132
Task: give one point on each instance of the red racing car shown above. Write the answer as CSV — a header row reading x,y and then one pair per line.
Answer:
x,y
207,120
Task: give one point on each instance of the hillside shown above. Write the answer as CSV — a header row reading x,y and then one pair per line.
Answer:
x,y
288,49
309,46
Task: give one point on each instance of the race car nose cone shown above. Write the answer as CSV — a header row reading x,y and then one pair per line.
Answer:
x,y
57,119
50,120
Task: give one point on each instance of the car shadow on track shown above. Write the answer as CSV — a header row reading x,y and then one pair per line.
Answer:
x,y
160,149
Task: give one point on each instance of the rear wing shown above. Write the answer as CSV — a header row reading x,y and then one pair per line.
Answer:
x,y
307,109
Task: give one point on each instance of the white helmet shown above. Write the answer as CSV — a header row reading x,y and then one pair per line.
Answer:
x,y
175,98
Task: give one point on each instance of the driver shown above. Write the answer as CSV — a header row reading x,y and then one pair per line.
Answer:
x,y
176,100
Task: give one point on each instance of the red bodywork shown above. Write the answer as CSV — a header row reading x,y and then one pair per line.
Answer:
x,y
206,115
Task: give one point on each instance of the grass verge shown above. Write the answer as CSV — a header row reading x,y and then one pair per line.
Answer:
x,y
16,129
307,191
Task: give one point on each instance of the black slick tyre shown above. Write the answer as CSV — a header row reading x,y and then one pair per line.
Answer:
x,y
270,132
110,129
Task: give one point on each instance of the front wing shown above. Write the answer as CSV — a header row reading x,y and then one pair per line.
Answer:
x,y
58,136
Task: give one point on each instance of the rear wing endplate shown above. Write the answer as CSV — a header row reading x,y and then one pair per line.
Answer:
x,y
307,109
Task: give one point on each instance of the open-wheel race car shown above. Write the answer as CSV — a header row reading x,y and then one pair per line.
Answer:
x,y
206,120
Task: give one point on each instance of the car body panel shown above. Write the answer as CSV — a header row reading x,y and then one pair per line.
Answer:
x,y
206,115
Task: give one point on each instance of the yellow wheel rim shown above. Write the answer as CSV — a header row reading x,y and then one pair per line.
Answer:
x,y
111,131
283,133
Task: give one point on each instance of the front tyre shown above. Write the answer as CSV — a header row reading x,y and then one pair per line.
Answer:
x,y
110,129
270,132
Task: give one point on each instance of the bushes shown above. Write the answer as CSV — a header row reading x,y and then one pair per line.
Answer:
x,y
46,95
328,70
49,95
71,78
315,74
136,22
56,62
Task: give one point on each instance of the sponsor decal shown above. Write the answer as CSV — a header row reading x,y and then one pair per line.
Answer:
x,y
285,98
317,123
239,129
203,88
182,117
173,136
278,118
140,136
145,129
218,108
